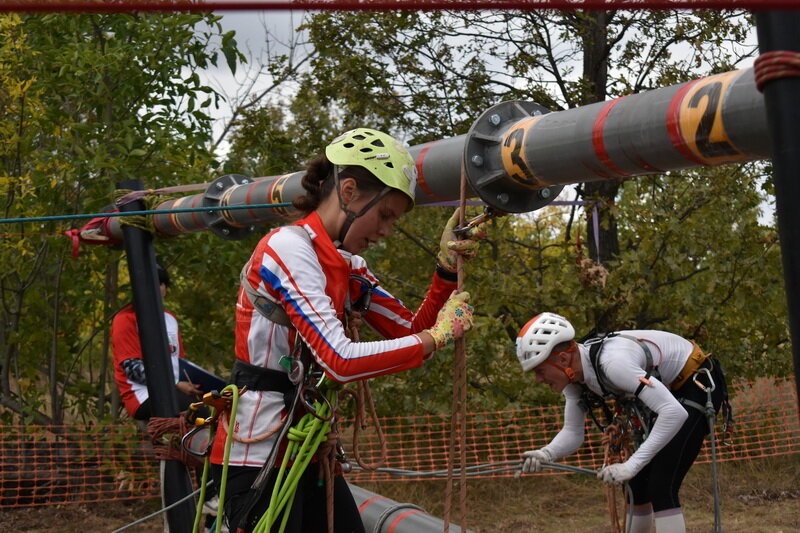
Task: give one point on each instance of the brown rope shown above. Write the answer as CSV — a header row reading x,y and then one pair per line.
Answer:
x,y
326,454
363,397
458,408
363,401
165,435
617,444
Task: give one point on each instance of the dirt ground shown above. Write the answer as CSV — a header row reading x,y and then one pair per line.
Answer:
x,y
758,496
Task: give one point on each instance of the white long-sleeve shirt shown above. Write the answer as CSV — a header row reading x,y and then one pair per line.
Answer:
x,y
623,362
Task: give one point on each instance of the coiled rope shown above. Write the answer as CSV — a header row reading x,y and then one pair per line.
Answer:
x,y
617,445
775,65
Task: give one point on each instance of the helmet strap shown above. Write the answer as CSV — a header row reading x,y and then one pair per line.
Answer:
x,y
352,215
567,370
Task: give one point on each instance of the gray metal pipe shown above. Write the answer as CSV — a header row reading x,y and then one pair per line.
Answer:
x,y
381,515
518,156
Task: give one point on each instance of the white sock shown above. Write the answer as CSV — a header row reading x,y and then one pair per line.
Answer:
x,y
670,521
642,520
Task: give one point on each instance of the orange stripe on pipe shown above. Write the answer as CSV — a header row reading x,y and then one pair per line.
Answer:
x,y
421,174
598,140
249,199
397,520
366,503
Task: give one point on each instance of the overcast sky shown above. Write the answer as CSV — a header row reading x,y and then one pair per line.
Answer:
x,y
252,29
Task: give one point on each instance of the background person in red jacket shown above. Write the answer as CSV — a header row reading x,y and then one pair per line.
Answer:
x,y
128,365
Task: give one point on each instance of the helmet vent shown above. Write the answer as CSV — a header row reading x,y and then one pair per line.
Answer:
x,y
377,142
348,145
359,137
366,150
389,164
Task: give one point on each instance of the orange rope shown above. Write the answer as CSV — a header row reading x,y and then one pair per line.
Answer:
x,y
774,65
225,416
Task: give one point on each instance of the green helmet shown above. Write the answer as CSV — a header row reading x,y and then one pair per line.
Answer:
x,y
381,154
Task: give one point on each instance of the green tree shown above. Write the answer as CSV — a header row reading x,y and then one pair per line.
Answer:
x,y
90,100
685,267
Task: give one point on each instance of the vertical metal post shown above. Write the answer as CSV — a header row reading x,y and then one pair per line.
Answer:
x,y
778,30
176,483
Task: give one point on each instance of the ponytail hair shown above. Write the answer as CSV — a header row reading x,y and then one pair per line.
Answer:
x,y
318,182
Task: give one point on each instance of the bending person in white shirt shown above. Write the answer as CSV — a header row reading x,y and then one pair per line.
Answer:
x,y
661,380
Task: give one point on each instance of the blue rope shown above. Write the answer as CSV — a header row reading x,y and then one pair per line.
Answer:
x,y
149,212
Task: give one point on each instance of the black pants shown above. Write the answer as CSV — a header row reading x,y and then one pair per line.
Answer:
x,y
308,513
660,480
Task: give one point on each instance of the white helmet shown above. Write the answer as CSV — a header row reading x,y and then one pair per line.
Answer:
x,y
539,336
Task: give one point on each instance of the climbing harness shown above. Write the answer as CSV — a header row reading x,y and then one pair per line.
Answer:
x,y
596,346
636,416
629,421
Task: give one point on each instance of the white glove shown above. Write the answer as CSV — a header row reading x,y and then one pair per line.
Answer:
x,y
617,473
534,459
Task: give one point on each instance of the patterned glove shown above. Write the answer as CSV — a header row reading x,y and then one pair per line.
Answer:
x,y
616,474
454,319
534,459
450,246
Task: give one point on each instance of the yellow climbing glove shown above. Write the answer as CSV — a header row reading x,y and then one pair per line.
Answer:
x,y
451,245
453,321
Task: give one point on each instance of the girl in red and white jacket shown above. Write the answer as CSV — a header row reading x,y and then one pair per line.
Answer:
x,y
307,273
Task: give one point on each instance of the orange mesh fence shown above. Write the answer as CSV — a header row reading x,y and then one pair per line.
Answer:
x,y
84,464
765,413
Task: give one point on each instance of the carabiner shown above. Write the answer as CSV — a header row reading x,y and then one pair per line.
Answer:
x,y
707,372
316,396
362,304
186,439
488,214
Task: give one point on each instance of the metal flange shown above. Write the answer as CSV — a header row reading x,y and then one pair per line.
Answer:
x,y
484,164
213,197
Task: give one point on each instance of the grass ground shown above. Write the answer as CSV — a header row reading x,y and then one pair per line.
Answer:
x,y
758,496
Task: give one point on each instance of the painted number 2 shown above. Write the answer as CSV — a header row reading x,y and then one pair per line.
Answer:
x,y
703,136
514,142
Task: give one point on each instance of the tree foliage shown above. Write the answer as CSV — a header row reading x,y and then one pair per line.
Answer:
x,y
669,257
87,101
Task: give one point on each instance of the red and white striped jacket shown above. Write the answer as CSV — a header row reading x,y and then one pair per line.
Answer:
x,y
310,280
